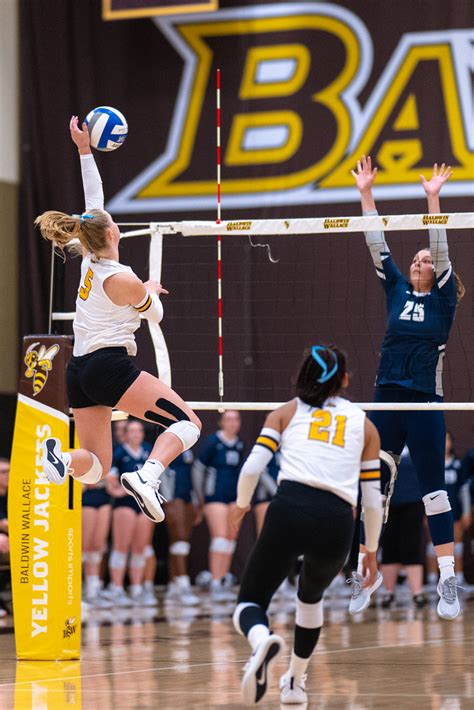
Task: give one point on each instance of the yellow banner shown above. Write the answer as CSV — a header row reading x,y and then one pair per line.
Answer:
x,y
48,685
45,541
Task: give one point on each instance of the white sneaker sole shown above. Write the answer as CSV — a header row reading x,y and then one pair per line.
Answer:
x,y
50,458
439,612
144,495
373,589
252,689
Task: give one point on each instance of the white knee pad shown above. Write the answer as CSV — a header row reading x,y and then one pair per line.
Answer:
x,y
94,558
436,502
137,561
94,474
309,616
117,560
148,552
180,548
430,551
236,615
187,432
458,549
222,545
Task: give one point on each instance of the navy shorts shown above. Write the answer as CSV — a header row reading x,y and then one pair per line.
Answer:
x,y
126,502
176,485
220,489
403,539
423,432
95,498
101,377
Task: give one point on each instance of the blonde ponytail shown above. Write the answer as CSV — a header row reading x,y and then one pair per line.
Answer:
x,y
62,228
460,288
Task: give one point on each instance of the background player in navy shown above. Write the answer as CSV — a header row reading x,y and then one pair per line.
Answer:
x,y
264,492
420,312
96,517
460,498
215,476
403,536
132,531
181,516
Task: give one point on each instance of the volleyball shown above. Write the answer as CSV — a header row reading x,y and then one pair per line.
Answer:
x,y
108,128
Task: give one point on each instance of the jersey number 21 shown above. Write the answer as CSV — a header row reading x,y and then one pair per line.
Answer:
x,y
319,429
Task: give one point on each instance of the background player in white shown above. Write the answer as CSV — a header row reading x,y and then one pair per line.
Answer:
x,y
327,445
101,373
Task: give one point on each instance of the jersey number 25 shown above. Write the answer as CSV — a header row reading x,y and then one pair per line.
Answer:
x,y
413,311
319,429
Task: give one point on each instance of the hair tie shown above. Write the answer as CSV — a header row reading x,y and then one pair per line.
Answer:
x,y
83,217
325,375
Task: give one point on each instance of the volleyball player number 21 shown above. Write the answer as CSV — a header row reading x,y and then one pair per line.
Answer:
x,y
319,429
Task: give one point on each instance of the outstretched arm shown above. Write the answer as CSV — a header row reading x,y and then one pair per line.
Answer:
x,y
438,237
378,247
91,180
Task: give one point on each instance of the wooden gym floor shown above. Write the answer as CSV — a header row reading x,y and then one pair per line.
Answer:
x,y
179,658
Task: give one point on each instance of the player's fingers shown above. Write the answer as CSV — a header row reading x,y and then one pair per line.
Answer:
x,y
353,173
359,166
435,169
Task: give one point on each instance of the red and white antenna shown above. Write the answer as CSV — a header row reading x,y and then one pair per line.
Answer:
x,y
219,243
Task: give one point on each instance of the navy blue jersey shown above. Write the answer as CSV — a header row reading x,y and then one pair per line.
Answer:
x,y
125,460
454,481
267,484
468,470
417,331
222,461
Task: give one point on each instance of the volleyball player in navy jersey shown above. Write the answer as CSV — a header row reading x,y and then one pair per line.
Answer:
x,y
132,530
420,311
181,516
215,475
266,489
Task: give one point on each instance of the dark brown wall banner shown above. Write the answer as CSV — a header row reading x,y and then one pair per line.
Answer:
x,y
306,89
127,9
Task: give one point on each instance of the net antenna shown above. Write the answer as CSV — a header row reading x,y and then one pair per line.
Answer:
x,y
220,375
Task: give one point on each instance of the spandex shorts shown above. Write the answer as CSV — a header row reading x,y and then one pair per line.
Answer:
x,y
101,377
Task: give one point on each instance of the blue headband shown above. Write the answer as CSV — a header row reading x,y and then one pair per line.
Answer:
x,y
325,375
83,217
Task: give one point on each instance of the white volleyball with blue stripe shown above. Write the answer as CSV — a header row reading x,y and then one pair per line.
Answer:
x,y
108,128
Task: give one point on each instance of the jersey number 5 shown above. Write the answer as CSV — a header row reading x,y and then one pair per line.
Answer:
x,y
319,429
85,290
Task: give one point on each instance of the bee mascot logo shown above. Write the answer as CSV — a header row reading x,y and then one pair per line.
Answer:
x,y
38,364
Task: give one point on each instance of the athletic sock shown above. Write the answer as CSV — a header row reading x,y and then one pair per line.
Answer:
x,y
446,566
148,586
92,585
135,589
298,666
360,557
152,468
257,634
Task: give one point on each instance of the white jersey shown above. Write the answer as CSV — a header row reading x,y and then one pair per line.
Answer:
x,y
322,447
100,323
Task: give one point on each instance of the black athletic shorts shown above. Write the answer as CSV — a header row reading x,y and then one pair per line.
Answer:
x,y
101,377
403,536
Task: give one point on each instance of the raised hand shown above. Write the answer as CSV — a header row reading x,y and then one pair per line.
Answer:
x,y
80,137
433,186
364,176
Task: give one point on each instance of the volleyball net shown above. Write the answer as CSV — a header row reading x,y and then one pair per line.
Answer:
x,y
237,322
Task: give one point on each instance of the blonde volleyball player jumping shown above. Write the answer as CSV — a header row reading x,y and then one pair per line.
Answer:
x,y
101,374
326,446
